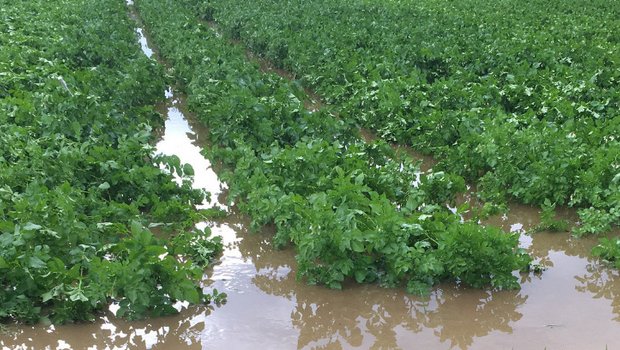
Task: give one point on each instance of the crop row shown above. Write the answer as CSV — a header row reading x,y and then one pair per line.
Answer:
x,y
520,97
78,180
352,210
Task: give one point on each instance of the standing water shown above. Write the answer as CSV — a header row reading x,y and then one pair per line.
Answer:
x,y
181,140
574,304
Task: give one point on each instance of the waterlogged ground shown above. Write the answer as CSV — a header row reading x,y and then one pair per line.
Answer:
x,y
574,304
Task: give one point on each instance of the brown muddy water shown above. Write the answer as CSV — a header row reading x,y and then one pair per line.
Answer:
x,y
574,304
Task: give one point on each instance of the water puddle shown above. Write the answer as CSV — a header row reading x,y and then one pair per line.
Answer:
x,y
186,142
574,304
144,44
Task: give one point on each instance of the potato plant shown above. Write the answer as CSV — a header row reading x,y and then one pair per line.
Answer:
x,y
351,210
520,97
79,183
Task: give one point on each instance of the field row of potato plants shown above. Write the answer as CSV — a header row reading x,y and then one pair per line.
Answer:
x,y
79,184
519,97
351,210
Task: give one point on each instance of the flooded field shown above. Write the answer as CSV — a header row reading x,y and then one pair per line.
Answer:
x,y
573,304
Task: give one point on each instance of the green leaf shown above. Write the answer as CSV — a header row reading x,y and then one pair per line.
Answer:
x,y
31,227
36,263
77,294
47,296
360,276
357,246
188,169
3,263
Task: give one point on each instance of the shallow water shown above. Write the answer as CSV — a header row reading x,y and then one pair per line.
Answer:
x,y
186,142
574,304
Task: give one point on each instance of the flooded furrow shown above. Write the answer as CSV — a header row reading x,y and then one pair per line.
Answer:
x,y
574,304
186,142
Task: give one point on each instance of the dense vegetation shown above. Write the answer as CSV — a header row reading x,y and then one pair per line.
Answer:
x,y
78,182
352,210
521,97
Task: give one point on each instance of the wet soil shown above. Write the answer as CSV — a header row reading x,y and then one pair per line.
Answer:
x,y
573,304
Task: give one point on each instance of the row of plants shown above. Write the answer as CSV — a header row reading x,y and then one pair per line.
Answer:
x,y
79,184
351,210
519,97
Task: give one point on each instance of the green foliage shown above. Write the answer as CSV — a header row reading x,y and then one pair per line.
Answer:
x,y
143,275
472,255
503,93
213,213
595,220
198,246
608,249
488,209
352,210
548,222
78,181
443,187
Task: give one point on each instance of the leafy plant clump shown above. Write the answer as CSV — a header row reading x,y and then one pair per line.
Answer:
x,y
352,210
548,222
609,250
78,179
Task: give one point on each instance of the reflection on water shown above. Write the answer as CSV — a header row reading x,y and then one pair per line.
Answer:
x,y
371,317
575,304
602,283
183,140
143,43
163,333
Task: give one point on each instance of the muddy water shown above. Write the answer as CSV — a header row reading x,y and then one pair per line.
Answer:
x,y
574,304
